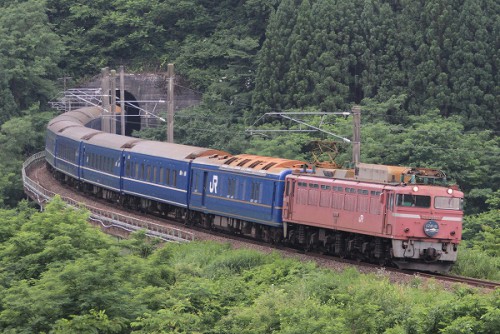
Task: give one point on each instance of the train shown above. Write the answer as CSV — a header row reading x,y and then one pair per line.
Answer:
x,y
390,215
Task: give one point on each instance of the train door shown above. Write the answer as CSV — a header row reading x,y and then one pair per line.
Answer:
x,y
83,162
289,198
80,159
204,192
388,205
125,169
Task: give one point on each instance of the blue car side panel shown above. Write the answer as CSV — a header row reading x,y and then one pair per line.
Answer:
x,y
66,156
101,166
50,147
157,178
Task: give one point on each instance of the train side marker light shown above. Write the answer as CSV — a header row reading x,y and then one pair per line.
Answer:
x,y
407,230
452,232
415,188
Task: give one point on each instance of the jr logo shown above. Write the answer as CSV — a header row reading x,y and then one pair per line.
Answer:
x,y
213,184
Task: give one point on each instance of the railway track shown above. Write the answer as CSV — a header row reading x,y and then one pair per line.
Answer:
x,y
118,219
464,280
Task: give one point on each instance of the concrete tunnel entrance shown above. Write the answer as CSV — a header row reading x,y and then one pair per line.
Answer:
x,y
132,114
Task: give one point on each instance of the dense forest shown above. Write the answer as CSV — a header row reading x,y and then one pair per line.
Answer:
x,y
427,77
60,275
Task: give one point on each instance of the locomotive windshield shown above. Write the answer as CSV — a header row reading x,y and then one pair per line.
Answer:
x,y
413,200
448,203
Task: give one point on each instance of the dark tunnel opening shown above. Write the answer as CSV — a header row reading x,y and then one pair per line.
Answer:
x,y
132,114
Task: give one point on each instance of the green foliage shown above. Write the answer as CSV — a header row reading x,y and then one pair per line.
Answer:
x,y
473,262
46,238
93,322
234,263
93,284
140,244
439,56
288,147
20,137
29,55
482,234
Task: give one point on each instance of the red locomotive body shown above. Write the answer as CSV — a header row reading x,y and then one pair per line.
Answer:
x,y
409,223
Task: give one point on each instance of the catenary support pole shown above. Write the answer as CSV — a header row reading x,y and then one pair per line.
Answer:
x,y
356,143
105,99
170,111
122,100
112,121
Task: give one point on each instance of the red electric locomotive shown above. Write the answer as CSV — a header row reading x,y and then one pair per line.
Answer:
x,y
383,214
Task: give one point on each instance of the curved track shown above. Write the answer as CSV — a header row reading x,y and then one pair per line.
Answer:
x,y
40,186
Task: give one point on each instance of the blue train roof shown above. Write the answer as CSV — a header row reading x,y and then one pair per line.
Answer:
x,y
81,116
173,151
112,141
76,132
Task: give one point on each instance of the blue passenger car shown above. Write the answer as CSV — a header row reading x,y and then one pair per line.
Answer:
x,y
160,171
245,187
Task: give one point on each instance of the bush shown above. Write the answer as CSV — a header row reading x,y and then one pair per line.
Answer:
x,y
475,263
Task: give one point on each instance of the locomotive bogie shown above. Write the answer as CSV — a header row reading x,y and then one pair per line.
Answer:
x,y
339,243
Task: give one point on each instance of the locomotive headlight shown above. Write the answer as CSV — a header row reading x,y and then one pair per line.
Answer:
x,y
449,191
431,228
415,188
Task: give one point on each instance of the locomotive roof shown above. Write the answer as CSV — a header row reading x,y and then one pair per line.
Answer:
x,y
173,151
252,163
341,181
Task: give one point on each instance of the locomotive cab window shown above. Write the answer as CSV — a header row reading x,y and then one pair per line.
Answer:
x,y
448,203
413,200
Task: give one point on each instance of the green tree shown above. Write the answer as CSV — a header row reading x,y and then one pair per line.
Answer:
x,y
300,79
330,55
273,59
20,137
29,55
55,236
471,65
